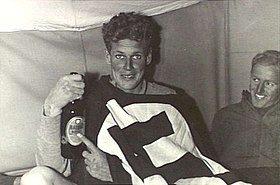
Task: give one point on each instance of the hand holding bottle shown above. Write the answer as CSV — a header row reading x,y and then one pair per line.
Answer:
x,y
68,88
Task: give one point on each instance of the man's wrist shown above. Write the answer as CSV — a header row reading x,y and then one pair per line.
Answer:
x,y
51,111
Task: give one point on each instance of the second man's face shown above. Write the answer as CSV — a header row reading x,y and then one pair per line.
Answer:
x,y
128,61
264,85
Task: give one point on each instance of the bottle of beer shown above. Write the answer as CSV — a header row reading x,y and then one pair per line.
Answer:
x,y
72,123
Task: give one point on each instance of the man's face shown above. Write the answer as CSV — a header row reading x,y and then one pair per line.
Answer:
x,y
128,61
264,85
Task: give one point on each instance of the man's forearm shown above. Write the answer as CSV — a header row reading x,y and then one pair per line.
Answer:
x,y
48,144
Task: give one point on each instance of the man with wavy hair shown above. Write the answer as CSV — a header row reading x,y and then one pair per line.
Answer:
x,y
137,131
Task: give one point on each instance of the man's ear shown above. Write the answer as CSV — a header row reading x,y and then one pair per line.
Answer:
x,y
149,58
107,57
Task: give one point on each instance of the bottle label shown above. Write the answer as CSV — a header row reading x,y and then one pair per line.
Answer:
x,y
74,126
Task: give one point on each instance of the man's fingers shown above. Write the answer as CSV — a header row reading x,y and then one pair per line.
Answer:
x,y
86,154
88,162
70,87
76,77
87,142
78,85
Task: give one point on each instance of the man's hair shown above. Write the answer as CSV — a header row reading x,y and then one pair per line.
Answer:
x,y
267,58
133,26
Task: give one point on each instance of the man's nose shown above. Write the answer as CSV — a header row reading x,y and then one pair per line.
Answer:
x,y
260,88
128,64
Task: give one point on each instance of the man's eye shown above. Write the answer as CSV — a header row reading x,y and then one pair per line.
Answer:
x,y
270,84
119,57
136,57
255,79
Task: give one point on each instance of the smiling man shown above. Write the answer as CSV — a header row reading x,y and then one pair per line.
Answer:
x,y
264,84
246,135
131,41
128,60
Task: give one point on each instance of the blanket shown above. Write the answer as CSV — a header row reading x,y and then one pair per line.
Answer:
x,y
155,145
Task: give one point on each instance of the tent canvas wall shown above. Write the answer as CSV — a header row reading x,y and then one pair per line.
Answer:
x,y
206,50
